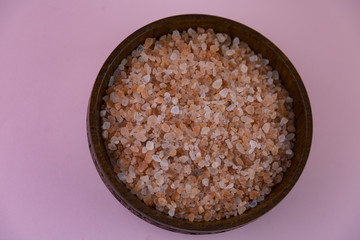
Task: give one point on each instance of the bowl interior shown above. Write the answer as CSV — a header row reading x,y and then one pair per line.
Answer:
x,y
290,79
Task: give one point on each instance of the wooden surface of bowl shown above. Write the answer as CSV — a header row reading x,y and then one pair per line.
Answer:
x,y
290,79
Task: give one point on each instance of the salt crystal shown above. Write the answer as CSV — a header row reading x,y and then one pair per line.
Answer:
x,y
134,149
205,130
167,97
175,110
192,155
253,204
236,41
164,163
230,107
175,100
246,119
253,144
251,173
169,136
171,212
112,146
145,79
228,143
174,56
203,46
230,52
224,92
265,61
220,37
152,120
290,136
217,83
250,99
253,58
283,121
235,119
266,127
156,158
243,68
239,89
105,134
102,113
215,164
282,138
149,145
241,209
162,201
124,102
106,125
275,75
231,185
114,140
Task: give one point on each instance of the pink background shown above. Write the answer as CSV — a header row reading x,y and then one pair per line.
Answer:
x,y
50,54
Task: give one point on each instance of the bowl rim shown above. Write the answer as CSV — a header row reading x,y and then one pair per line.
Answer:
x,y
101,160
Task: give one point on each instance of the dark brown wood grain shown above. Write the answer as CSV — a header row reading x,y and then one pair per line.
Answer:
x,y
260,44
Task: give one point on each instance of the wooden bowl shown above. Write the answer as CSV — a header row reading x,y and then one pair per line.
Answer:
x,y
260,44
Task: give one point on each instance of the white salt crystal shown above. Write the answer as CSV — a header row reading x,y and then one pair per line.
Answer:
x,y
175,110
266,127
283,121
145,79
205,130
253,144
192,155
275,75
149,145
236,41
243,68
156,158
203,46
282,138
113,97
230,107
231,185
112,146
290,136
124,102
250,98
239,89
171,213
106,125
220,37
205,181
114,140
224,92
174,56
175,100
102,113
217,84
253,58
164,163
167,97
230,52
